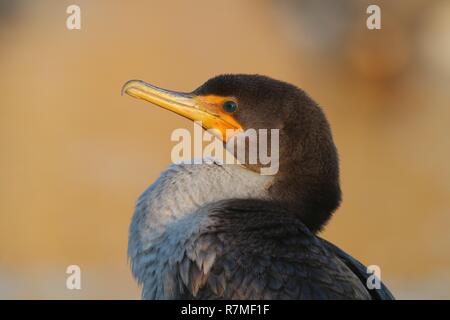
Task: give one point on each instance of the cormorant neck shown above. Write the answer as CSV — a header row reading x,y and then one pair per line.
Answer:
x,y
308,177
314,199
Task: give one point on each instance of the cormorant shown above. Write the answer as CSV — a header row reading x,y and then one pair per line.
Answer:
x,y
218,231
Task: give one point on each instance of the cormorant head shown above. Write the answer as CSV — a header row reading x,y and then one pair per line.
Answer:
x,y
308,176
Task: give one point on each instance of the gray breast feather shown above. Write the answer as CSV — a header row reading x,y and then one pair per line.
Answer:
x,y
171,211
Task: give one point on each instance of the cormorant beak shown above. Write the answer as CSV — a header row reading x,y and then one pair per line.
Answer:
x,y
205,109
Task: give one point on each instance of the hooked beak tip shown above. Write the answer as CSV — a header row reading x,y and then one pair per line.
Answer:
x,y
128,85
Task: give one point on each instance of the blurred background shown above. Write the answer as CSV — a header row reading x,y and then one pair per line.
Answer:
x,y
75,154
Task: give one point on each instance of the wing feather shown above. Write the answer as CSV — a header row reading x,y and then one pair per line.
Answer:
x,y
262,253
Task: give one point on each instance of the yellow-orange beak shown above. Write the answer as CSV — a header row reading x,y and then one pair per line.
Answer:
x,y
205,109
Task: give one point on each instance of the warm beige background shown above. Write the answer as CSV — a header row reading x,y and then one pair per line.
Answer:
x,y
75,154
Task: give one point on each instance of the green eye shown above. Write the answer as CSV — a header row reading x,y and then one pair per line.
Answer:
x,y
230,106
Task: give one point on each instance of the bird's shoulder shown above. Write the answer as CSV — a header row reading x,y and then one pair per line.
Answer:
x,y
253,250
